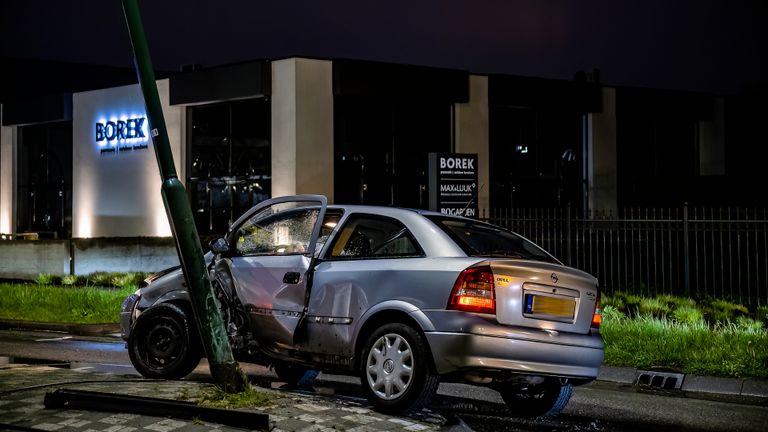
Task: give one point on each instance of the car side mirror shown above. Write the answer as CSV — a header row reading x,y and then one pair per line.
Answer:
x,y
219,246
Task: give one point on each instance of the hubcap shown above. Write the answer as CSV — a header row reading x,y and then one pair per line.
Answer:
x,y
389,367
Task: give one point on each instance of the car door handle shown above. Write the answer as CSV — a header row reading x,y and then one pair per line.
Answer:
x,y
292,278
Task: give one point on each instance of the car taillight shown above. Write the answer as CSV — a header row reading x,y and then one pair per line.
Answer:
x,y
474,291
597,317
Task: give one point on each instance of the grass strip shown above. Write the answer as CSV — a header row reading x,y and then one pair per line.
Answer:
x,y
724,350
54,304
250,397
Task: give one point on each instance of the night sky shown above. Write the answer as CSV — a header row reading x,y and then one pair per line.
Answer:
x,y
705,45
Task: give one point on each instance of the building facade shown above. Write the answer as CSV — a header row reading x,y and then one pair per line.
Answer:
x,y
78,172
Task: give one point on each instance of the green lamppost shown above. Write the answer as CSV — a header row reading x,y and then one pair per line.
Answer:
x,y
226,372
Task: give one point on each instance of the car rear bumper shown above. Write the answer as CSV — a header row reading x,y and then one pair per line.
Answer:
x,y
483,344
461,351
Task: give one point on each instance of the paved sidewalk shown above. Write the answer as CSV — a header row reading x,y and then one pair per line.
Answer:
x,y
23,387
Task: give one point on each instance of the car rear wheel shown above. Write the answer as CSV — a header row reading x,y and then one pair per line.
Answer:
x,y
397,373
294,375
163,343
543,400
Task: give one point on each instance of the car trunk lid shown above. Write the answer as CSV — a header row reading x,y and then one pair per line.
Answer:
x,y
543,295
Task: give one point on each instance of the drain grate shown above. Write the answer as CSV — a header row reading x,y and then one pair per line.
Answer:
x,y
659,380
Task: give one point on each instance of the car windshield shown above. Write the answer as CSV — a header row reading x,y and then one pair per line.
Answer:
x,y
485,240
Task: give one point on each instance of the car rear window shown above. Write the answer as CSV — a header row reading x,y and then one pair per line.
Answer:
x,y
486,240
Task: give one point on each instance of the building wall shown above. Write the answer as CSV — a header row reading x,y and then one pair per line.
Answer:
x,y
302,127
123,255
118,194
24,259
7,177
472,135
712,141
602,174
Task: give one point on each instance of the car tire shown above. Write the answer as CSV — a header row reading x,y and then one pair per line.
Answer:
x,y
294,375
540,401
396,369
163,343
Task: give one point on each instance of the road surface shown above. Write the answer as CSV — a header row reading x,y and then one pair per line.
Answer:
x,y
596,407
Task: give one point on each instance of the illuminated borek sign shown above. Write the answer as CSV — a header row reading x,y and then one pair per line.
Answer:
x,y
123,134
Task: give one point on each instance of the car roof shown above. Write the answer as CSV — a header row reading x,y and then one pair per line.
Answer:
x,y
433,240
361,208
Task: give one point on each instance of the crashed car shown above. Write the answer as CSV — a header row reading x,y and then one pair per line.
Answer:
x,y
401,298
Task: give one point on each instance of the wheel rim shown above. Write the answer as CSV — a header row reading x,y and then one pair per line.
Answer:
x,y
163,344
389,368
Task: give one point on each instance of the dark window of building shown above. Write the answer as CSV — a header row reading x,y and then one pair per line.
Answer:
x,y
229,164
535,157
657,146
745,155
45,180
382,147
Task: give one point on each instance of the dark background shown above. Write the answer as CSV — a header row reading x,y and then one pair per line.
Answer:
x,y
667,58
700,45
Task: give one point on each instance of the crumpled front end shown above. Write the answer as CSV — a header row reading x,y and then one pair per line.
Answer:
x,y
128,313
167,285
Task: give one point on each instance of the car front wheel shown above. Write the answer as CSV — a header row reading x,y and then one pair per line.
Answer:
x,y
163,343
396,372
543,400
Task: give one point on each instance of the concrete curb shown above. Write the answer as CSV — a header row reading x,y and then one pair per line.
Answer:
x,y
76,329
748,389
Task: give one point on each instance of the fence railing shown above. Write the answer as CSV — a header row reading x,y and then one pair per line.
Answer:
x,y
683,251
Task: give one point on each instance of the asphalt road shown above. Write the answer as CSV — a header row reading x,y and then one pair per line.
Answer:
x,y
596,407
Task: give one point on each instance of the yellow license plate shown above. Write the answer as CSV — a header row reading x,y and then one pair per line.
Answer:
x,y
553,306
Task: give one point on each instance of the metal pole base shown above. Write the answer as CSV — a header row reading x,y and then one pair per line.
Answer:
x,y
229,377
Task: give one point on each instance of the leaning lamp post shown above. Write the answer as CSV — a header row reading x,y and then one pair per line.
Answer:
x,y
224,369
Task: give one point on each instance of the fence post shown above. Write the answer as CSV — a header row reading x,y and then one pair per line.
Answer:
x,y
568,232
686,252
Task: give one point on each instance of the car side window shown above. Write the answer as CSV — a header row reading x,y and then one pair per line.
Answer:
x,y
332,217
284,233
369,236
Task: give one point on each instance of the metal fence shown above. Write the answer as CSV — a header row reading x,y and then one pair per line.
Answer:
x,y
683,251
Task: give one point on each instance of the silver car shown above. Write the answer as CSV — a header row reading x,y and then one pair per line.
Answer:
x,y
401,298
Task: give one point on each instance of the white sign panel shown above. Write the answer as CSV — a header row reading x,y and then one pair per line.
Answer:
x,y
453,183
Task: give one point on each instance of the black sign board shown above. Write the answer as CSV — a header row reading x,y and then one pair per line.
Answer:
x,y
453,183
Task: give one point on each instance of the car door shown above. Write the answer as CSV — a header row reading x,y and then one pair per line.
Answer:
x,y
271,252
371,259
